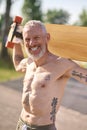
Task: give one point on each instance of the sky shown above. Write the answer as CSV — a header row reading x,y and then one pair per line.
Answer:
x,y
73,7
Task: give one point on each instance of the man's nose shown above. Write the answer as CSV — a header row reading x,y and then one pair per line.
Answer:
x,y
31,43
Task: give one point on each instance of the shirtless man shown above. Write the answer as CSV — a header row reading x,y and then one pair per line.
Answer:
x,y
45,78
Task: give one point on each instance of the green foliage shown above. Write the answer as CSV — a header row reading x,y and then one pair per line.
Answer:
x,y
83,18
4,52
1,24
57,16
82,21
7,71
1,20
32,10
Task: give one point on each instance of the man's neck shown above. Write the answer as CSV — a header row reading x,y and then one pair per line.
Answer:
x,y
43,60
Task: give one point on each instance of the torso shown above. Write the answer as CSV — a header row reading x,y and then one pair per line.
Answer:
x,y
43,90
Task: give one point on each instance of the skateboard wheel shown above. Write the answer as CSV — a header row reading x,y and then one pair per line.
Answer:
x,y
17,19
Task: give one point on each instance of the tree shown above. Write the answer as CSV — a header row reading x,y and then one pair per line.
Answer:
x,y
4,52
83,18
1,23
32,10
57,16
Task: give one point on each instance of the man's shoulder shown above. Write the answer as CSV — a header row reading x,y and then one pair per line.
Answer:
x,y
65,61
62,59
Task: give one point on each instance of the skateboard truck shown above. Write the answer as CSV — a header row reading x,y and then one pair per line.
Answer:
x,y
13,32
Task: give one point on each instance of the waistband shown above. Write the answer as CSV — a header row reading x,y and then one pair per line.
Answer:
x,y
32,127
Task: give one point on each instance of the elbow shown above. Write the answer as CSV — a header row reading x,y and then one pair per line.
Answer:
x,y
19,69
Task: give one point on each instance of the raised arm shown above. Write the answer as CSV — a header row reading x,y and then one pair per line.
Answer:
x,y
18,58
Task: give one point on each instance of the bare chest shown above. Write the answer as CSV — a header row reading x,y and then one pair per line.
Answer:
x,y
42,77
36,79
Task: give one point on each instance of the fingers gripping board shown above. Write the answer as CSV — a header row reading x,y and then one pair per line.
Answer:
x,y
68,41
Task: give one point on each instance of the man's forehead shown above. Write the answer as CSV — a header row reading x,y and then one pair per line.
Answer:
x,y
29,28
33,30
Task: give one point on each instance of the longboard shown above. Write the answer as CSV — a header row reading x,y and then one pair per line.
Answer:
x,y
68,41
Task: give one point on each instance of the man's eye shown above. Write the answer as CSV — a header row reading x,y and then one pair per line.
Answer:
x,y
37,38
27,39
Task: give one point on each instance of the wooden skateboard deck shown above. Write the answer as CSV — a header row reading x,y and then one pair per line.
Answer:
x,y
68,41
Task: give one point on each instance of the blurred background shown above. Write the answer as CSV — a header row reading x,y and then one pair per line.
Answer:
x,y
69,12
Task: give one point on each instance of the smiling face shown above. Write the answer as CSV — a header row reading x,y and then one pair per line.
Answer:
x,y
35,40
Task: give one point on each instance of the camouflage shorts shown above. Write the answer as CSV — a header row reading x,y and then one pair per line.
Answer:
x,y
21,125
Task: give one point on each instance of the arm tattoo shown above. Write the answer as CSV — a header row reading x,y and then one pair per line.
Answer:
x,y
18,57
80,75
53,112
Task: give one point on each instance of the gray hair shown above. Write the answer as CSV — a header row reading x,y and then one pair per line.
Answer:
x,y
33,23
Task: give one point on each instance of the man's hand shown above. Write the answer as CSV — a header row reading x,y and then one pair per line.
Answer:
x,y
18,34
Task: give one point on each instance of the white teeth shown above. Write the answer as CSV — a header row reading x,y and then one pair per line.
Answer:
x,y
34,48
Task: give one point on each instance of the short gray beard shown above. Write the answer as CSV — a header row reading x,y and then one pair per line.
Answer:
x,y
35,58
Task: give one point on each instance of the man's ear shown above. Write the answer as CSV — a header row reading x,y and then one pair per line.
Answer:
x,y
48,36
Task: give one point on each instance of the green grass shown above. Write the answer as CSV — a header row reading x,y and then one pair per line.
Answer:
x,y
7,72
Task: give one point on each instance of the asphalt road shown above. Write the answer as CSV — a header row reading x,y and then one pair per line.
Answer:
x,y
75,96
